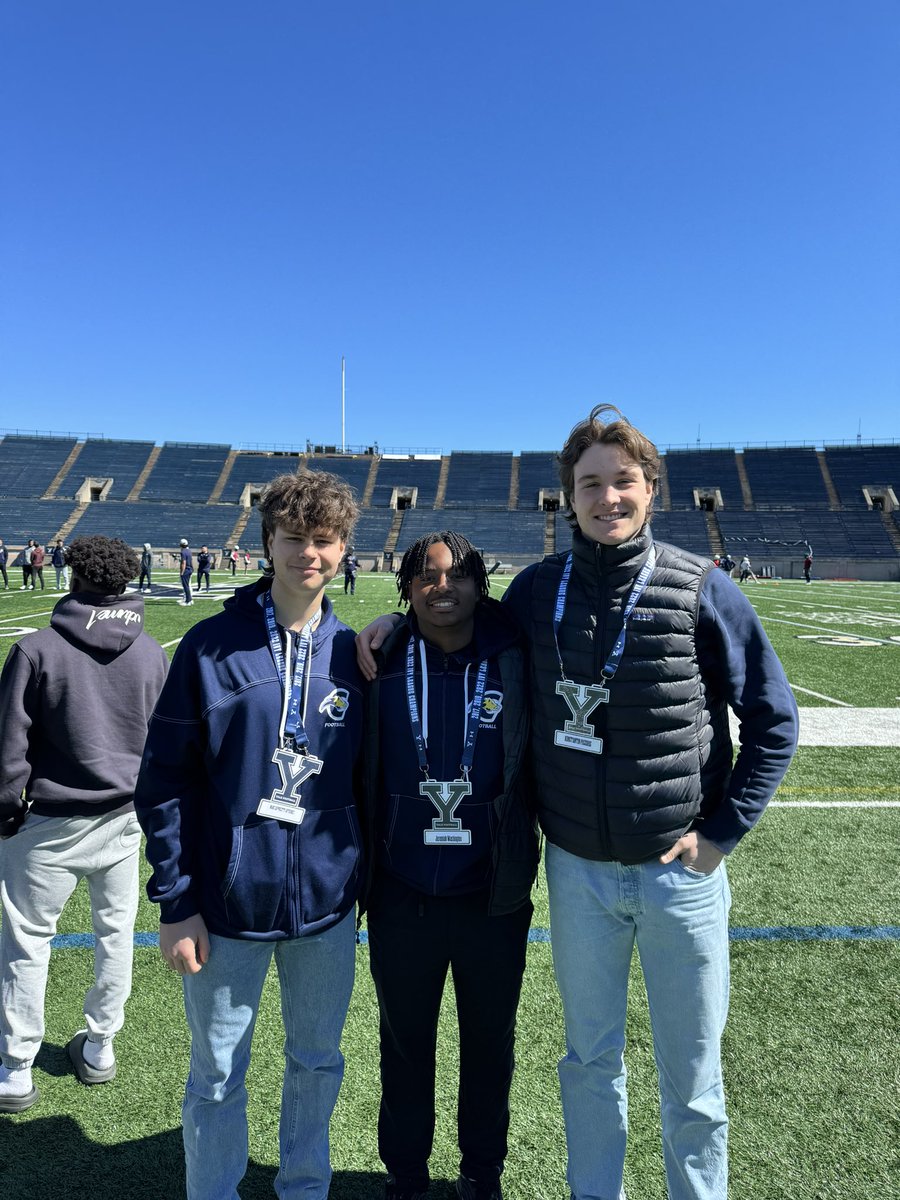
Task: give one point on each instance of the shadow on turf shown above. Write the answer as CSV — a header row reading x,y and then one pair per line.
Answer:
x,y
47,1157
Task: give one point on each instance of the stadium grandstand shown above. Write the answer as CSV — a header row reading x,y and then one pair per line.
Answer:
x,y
770,502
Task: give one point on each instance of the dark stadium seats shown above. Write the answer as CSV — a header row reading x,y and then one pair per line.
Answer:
x,y
791,498
255,469
185,472
706,470
854,467
537,472
785,478
28,465
107,459
420,473
478,480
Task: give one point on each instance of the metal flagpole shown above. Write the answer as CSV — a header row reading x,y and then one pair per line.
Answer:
x,y
343,405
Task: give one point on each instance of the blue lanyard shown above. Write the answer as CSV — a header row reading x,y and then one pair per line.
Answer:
x,y
473,712
293,730
615,655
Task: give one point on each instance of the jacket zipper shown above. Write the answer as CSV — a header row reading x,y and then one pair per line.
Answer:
x,y
599,660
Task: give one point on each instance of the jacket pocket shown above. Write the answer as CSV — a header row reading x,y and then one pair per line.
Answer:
x,y
253,888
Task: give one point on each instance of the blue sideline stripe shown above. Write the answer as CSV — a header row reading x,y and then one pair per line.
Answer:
x,y
740,933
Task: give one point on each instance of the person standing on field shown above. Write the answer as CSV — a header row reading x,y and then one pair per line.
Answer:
x,y
75,699
247,795
58,559
456,855
638,650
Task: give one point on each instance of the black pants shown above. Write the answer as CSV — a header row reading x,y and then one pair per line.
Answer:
x,y
4,574
349,584
413,940
200,575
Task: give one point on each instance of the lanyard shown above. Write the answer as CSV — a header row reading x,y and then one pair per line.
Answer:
x,y
472,712
291,729
615,655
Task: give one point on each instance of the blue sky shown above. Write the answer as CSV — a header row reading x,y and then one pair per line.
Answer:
x,y
500,212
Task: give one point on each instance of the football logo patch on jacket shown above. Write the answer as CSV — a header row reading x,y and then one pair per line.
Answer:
x,y
336,704
491,707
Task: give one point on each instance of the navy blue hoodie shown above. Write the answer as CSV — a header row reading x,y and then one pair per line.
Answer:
x,y
403,814
208,763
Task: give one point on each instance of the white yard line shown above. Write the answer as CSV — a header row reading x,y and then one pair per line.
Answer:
x,y
23,618
166,645
834,804
818,695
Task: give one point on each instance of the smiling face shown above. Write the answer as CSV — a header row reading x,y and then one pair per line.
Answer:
x,y
304,561
611,498
443,598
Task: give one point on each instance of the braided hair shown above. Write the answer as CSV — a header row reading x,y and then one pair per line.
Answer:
x,y
465,558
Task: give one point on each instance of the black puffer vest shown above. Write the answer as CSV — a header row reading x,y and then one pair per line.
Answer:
x,y
666,756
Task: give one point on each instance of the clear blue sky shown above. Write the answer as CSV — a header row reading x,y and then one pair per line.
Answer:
x,y
500,211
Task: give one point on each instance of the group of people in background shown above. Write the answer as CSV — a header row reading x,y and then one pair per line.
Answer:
x,y
31,559
293,779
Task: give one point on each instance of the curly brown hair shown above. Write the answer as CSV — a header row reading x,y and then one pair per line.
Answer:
x,y
307,500
105,564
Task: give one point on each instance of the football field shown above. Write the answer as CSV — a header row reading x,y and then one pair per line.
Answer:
x,y
811,1049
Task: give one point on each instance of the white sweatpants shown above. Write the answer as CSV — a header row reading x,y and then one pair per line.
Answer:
x,y
39,869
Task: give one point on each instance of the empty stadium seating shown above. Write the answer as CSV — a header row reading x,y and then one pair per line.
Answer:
x,y
185,472
478,480
791,502
785,478
705,470
28,465
537,472
854,467
107,459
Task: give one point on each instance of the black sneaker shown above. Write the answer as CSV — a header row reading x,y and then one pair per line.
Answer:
x,y
469,1189
394,1189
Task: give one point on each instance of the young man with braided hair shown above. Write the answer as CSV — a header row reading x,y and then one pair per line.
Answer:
x,y
637,651
247,797
456,855
75,699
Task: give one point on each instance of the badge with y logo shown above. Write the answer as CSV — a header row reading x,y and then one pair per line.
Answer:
x,y
582,699
445,829
284,802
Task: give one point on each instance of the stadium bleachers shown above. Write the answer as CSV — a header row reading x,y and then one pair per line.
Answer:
x,y
158,523
785,478
537,472
477,480
854,467
420,473
28,465
255,469
38,519
107,459
185,472
354,471
790,494
706,470
497,534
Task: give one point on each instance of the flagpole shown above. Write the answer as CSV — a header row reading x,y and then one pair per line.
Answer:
x,y
343,405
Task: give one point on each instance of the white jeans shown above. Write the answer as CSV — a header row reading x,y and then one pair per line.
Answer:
x,y
39,869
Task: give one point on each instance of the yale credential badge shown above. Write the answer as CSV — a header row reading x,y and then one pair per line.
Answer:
x,y
295,769
582,699
446,796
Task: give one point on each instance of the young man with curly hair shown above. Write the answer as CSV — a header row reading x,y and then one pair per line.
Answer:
x,y
247,797
75,699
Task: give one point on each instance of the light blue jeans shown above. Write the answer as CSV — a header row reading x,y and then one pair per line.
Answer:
x,y
222,1001
679,919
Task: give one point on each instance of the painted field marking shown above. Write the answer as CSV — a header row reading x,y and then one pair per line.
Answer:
x,y
869,637
809,692
833,804
25,617
166,645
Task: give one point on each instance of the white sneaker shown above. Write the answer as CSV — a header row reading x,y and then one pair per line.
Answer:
x,y
17,1090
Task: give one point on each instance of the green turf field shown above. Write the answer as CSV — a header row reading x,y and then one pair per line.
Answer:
x,y
811,1050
